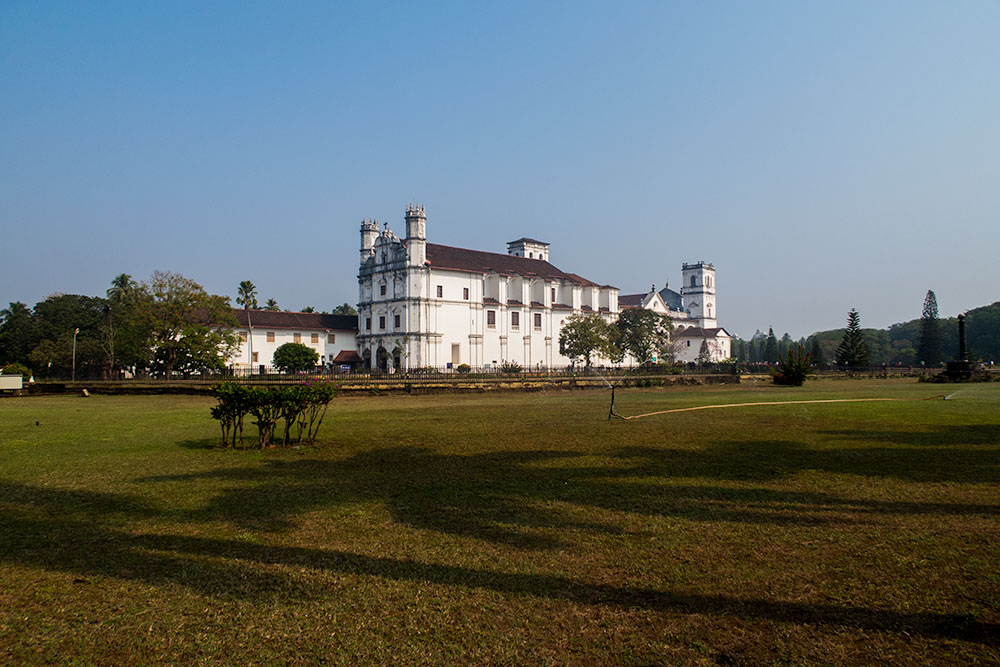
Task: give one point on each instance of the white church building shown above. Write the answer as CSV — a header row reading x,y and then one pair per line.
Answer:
x,y
427,305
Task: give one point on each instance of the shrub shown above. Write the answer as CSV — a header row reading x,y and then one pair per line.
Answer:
x,y
301,406
292,357
510,367
793,368
17,369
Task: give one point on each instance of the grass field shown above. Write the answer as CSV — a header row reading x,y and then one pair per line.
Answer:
x,y
511,528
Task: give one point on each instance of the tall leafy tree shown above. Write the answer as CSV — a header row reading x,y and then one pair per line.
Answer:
x,y
929,345
271,304
17,334
189,329
853,348
345,309
816,351
643,334
58,320
294,357
585,336
308,309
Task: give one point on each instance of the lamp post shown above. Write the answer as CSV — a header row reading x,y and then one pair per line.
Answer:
x,y
75,332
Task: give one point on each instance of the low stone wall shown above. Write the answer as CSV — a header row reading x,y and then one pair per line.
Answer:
x,y
417,386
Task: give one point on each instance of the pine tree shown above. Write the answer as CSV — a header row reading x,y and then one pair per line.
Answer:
x,y
771,347
929,346
853,349
816,351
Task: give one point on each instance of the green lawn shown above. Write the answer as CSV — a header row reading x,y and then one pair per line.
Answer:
x,y
509,528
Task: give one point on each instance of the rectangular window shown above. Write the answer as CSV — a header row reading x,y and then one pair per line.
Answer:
x,y
243,336
515,320
553,295
368,323
314,339
465,293
297,337
381,322
689,343
440,291
395,321
270,336
255,359
331,338
491,319
381,290
538,321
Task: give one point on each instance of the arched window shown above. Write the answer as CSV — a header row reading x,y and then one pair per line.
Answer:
x,y
692,281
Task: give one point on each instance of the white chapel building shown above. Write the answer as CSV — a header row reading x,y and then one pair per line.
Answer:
x,y
427,305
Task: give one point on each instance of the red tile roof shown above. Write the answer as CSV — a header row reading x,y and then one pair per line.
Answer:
x,y
346,357
477,261
280,319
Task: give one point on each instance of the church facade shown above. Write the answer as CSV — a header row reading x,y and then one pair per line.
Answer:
x,y
422,304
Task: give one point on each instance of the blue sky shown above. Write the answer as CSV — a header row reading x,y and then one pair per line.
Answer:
x,y
823,155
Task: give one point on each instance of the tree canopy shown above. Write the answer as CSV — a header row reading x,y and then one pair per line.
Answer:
x,y
584,336
929,346
643,334
295,357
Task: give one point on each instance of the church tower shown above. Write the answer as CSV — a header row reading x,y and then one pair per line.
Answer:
x,y
416,236
698,292
369,232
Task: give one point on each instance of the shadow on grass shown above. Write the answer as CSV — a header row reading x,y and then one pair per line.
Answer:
x,y
55,529
940,436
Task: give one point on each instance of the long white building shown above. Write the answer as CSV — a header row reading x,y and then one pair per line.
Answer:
x,y
427,305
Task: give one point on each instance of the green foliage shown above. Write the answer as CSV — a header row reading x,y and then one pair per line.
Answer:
x,y
929,345
816,351
771,347
344,309
704,354
295,357
510,367
271,305
17,369
585,335
643,334
247,294
308,309
793,368
301,407
463,369
853,350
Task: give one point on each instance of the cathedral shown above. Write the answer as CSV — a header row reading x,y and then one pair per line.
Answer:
x,y
427,305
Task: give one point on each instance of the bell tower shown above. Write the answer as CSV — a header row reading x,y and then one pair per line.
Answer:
x,y
698,292
369,232
416,236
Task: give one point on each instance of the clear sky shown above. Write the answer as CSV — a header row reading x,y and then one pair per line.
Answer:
x,y
823,156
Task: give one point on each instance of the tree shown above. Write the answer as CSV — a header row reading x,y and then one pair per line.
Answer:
x,y
271,305
308,309
853,349
247,295
816,351
771,347
121,286
929,344
704,354
345,309
188,328
17,335
643,334
294,357
583,336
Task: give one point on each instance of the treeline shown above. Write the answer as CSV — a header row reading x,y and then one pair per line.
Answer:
x,y
895,346
165,325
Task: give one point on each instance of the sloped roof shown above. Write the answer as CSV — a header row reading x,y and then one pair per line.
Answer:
x,y
671,298
346,357
630,300
698,332
280,319
478,261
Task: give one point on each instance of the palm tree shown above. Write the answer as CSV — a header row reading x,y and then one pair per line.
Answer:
x,y
15,310
270,304
121,285
247,295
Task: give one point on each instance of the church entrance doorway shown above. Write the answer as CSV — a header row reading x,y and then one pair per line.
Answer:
x,y
382,359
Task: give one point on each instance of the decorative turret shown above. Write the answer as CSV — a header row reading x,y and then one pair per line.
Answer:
x,y
416,235
369,232
698,291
